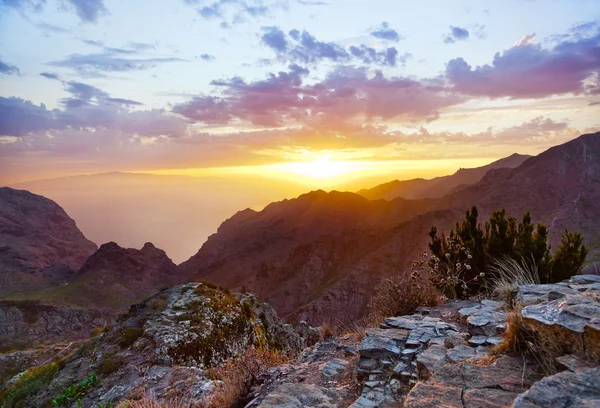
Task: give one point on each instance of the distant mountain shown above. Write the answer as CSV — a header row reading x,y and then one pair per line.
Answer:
x,y
40,245
320,254
439,186
115,277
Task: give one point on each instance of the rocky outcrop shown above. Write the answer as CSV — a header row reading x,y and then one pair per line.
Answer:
x,y
116,277
167,344
40,245
30,323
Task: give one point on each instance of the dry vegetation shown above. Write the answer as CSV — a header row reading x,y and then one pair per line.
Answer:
x,y
507,274
400,295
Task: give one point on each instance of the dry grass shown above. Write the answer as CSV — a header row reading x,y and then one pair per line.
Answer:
x,y
326,331
238,375
507,274
521,340
152,403
401,295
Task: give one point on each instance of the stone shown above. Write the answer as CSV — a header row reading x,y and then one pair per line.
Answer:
x,y
335,368
378,347
488,398
299,395
477,340
460,353
560,323
430,360
400,367
565,389
455,339
368,364
532,294
584,279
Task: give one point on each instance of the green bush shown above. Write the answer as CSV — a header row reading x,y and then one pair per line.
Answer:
x,y
129,335
75,392
30,382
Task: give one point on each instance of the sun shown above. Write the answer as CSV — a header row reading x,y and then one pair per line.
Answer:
x,y
322,168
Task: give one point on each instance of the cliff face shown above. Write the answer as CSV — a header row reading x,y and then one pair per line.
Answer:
x,y
30,323
40,245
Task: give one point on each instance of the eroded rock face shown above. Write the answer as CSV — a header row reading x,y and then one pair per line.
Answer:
x,y
566,316
167,343
30,323
40,245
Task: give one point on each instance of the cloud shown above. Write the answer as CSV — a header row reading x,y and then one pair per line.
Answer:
x,y
274,38
87,10
456,34
347,96
50,75
386,33
8,69
89,65
207,57
50,28
89,108
235,10
527,70
303,47
526,40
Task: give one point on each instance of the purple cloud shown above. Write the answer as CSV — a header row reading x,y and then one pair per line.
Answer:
x,y
529,71
346,95
386,33
88,10
274,38
456,34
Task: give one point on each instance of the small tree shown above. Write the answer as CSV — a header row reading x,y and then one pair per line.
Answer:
x,y
569,257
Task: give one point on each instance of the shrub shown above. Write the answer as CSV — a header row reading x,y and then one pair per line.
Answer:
x,y
401,295
109,364
158,304
569,257
129,335
29,382
75,392
326,331
238,375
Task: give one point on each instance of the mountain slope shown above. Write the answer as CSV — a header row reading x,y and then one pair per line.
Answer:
x,y
560,187
319,256
40,244
115,277
439,186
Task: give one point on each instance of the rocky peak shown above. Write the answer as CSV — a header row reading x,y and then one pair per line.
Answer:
x,y
36,234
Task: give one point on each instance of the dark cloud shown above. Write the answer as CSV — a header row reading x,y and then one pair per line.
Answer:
x,y
274,38
235,10
346,95
50,75
386,33
98,64
594,103
529,71
89,10
456,34
303,47
207,57
8,69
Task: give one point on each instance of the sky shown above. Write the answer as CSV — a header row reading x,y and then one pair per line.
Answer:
x,y
293,89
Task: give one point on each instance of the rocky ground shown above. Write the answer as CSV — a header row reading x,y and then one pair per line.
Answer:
x,y
444,356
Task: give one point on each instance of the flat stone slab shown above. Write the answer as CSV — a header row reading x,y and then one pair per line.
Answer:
x,y
565,390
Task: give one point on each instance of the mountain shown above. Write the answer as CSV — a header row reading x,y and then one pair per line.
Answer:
x,y
439,186
318,256
40,245
115,277
560,187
